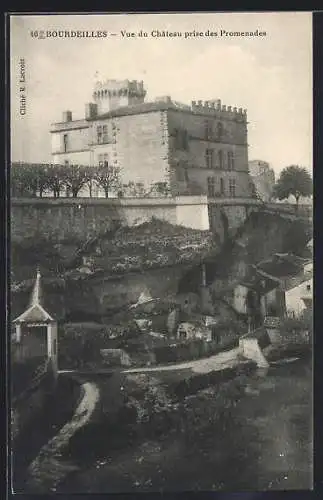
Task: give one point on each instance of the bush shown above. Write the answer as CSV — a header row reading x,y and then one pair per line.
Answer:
x,y
289,325
24,372
80,343
228,328
297,329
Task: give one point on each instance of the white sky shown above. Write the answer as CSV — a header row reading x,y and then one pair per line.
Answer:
x,y
270,76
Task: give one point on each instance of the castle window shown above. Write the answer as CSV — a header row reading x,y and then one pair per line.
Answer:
x,y
222,189
179,174
308,288
211,187
208,130
65,143
99,134
230,160
220,154
232,187
219,130
104,133
103,160
182,172
181,139
209,158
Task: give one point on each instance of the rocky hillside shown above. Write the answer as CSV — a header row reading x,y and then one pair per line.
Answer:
x,y
152,244
65,265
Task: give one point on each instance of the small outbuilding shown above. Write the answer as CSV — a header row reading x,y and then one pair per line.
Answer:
x,y
35,330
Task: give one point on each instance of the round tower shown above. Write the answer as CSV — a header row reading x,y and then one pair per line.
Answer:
x,y
113,94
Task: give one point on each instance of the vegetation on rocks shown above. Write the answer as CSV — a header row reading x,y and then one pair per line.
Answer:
x,y
152,244
126,249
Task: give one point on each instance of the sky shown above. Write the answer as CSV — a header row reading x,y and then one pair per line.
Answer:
x,y
270,76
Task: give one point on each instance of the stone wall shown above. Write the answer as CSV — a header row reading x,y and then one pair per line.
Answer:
x,y
193,157
69,218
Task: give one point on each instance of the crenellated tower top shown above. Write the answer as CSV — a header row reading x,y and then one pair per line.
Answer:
x,y
113,94
215,107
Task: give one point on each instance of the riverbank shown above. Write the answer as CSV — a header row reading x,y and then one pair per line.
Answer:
x,y
46,471
57,410
252,434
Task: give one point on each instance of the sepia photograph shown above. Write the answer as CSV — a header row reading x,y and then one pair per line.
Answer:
x,y
161,252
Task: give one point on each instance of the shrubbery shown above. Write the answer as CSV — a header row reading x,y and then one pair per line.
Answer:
x,y
297,329
228,328
80,343
25,371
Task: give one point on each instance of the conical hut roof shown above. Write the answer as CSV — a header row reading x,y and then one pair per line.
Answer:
x,y
35,313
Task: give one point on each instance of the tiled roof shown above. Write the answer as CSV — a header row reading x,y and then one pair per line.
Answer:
x,y
35,314
282,265
293,259
258,282
296,281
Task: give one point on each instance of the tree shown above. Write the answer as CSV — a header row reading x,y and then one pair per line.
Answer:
x,y
135,190
293,180
42,178
160,189
55,179
107,177
75,177
24,179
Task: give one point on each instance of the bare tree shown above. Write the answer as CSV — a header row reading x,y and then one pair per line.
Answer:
x,y
108,178
135,189
75,177
42,177
160,189
24,179
55,179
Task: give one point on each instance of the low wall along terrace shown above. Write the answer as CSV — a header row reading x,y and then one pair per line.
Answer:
x,y
83,218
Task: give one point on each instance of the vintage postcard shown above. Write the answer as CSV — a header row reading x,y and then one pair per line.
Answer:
x,y
161,252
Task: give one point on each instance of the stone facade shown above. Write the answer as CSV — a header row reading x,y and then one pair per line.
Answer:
x,y
68,218
263,178
197,149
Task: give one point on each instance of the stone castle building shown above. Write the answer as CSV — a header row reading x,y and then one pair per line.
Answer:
x,y
263,178
196,149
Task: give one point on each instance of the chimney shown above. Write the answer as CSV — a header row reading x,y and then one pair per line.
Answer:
x,y
67,116
91,110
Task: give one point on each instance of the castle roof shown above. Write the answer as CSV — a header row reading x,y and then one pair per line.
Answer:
x,y
164,104
35,313
145,107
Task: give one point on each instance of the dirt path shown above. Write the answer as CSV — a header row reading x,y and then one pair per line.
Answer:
x,y
46,471
216,362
